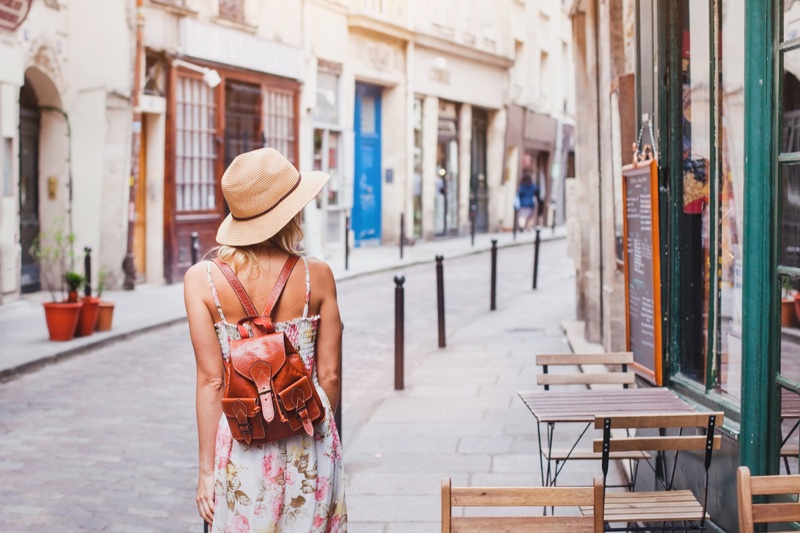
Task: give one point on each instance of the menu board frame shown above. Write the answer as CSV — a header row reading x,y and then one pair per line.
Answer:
x,y
649,167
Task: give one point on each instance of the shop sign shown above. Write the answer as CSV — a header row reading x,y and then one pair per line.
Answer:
x,y
13,13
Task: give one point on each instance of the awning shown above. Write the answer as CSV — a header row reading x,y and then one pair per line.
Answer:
x,y
13,13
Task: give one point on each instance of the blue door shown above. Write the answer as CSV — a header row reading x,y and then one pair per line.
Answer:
x,y
367,182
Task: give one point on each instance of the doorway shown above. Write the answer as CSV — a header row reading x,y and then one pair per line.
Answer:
x,y
446,200
478,187
29,224
367,193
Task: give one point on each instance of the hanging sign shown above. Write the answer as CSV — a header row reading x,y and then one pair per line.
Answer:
x,y
642,267
13,13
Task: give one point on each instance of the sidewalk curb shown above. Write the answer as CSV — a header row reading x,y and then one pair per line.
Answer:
x,y
380,270
9,374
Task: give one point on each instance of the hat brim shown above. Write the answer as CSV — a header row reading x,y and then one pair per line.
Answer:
x,y
257,230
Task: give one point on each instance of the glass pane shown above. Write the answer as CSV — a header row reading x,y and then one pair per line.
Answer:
x,y
367,114
693,226
791,19
334,185
195,146
327,108
731,191
790,116
790,215
318,134
790,334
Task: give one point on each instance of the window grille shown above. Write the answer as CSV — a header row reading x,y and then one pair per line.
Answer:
x,y
195,149
279,123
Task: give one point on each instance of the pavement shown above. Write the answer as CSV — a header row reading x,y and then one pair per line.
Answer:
x,y
26,347
106,441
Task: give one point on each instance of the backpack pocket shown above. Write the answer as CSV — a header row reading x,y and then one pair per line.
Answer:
x,y
244,418
302,405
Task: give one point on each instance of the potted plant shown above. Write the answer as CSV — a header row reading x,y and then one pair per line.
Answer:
x,y
51,251
788,305
105,311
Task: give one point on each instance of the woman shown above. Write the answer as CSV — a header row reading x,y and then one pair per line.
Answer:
x,y
295,484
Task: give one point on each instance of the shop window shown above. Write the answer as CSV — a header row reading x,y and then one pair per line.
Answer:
x,y
232,10
328,154
693,217
195,146
326,110
417,185
242,122
278,108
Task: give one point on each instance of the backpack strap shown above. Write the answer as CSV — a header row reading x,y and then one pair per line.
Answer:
x,y
280,284
237,287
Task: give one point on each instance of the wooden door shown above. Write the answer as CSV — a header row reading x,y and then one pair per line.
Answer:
x,y
140,224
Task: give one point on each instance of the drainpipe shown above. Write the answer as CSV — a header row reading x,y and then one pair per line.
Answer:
x,y
64,114
599,160
127,264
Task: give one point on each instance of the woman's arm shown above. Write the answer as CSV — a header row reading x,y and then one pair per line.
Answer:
x,y
208,358
329,335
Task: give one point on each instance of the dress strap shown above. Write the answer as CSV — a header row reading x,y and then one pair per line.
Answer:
x,y
308,287
214,291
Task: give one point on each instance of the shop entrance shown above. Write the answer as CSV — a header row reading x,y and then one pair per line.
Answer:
x,y
29,225
367,193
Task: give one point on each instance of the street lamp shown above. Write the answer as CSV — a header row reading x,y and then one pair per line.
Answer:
x,y
210,76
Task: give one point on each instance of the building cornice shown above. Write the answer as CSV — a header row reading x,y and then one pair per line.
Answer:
x,y
367,23
460,50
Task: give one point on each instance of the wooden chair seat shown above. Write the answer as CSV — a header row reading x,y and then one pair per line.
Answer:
x,y
663,506
562,454
790,450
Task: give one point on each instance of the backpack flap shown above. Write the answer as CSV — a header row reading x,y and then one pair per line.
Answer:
x,y
298,402
243,418
270,349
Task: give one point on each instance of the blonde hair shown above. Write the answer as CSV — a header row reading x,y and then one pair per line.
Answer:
x,y
245,258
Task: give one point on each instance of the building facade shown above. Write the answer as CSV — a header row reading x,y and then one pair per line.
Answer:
x,y
426,114
712,87
65,133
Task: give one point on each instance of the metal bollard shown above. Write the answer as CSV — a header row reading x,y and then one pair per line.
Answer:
x,y
399,333
402,232
473,211
440,299
536,257
516,222
493,297
195,247
346,242
87,270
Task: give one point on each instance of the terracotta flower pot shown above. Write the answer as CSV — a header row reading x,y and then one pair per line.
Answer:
x,y
88,316
62,319
788,313
105,313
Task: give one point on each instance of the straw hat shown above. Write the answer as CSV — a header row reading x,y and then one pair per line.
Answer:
x,y
264,192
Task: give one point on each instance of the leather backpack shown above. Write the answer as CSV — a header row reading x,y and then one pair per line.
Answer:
x,y
268,394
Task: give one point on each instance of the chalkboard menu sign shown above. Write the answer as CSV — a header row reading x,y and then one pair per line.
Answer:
x,y
642,267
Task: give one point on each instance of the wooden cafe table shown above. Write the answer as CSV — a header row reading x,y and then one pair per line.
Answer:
x,y
581,406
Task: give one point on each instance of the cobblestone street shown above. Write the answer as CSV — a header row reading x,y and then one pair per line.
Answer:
x,y
106,441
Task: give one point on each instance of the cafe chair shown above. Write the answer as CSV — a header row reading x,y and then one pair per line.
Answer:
x,y
538,497
675,510
785,511
617,373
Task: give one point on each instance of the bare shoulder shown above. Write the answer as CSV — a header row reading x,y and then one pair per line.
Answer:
x,y
194,277
321,274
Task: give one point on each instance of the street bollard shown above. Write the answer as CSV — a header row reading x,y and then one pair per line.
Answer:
x,y
195,247
493,297
516,222
346,242
440,299
536,257
87,270
402,232
399,334
472,216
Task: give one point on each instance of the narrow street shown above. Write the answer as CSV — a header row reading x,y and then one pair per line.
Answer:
x,y
106,441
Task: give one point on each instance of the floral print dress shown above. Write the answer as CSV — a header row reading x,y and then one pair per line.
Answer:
x,y
291,485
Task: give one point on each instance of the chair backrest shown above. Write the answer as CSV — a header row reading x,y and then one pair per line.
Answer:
x,y
522,497
762,513
622,376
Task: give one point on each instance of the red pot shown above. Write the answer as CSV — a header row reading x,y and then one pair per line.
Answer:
x,y
88,316
62,319
104,316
